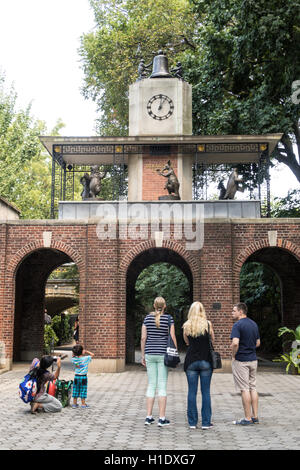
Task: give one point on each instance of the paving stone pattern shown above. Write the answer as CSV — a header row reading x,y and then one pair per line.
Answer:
x,y
115,419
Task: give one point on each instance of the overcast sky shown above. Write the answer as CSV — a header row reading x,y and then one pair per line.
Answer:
x,y
39,41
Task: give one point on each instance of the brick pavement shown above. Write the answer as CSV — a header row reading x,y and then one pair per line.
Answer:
x,y
115,420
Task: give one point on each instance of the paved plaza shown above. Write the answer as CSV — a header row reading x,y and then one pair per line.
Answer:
x,y
115,419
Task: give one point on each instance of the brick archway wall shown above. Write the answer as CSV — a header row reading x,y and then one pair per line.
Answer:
x,y
103,266
253,248
26,250
190,258
10,280
171,245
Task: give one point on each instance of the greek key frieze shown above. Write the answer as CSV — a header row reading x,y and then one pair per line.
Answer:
x,y
87,149
232,148
133,148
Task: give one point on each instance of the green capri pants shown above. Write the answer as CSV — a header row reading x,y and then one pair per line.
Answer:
x,y
157,375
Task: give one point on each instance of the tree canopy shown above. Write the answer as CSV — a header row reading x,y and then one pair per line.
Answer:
x,y
245,63
25,171
167,281
241,56
163,280
126,32
260,289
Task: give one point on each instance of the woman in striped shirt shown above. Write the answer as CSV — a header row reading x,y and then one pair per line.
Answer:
x,y
154,339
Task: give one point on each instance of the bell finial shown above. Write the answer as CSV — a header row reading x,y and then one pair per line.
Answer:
x,y
160,66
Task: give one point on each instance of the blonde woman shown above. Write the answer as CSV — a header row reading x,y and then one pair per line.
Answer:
x,y
197,364
154,338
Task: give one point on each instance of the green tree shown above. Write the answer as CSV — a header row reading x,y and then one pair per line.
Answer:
x,y
126,31
243,68
239,55
288,206
167,281
163,280
25,173
260,290
62,329
50,339
65,271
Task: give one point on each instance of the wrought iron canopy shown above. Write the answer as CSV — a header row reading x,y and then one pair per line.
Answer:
x,y
72,156
207,149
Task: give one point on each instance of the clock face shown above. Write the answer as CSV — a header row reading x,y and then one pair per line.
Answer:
x,y
160,107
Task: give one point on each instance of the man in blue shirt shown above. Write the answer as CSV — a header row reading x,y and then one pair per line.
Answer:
x,y
245,340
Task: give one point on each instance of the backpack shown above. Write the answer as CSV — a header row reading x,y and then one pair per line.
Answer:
x,y
28,388
51,388
64,391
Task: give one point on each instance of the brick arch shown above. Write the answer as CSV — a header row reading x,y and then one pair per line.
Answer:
x,y
168,244
26,250
15,262
264,243
191,270
242,257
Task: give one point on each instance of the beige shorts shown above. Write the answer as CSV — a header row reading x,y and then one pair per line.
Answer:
x,y
244,375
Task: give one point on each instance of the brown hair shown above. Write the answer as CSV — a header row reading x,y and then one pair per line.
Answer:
x,y
242,307
159,306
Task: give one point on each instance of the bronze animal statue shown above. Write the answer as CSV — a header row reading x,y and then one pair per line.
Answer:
x,y
233,185
222,190
92,183
177,71
172,184
143,69
85,181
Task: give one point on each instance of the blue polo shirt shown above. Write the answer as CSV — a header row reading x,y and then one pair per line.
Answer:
x,y
247,332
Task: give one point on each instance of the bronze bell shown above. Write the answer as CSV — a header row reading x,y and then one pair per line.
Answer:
x,y
160,66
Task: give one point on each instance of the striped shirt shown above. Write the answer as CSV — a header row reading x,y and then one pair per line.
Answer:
x,y
157,338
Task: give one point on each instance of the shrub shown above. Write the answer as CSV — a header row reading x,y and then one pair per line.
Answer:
x,y
50,339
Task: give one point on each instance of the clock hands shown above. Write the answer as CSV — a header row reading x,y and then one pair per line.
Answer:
x,y
162,100
157,109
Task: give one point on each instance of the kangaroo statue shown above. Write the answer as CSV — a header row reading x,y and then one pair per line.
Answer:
x,y
172,184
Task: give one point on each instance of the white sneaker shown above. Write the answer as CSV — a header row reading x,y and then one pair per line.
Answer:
x,y
207,427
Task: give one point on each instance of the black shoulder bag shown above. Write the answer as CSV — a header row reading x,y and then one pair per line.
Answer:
x,y
171,358
215,356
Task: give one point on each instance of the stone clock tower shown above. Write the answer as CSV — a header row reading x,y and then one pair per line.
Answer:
x,y
160,105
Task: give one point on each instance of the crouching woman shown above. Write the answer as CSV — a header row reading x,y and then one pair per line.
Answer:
x,y
44,401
